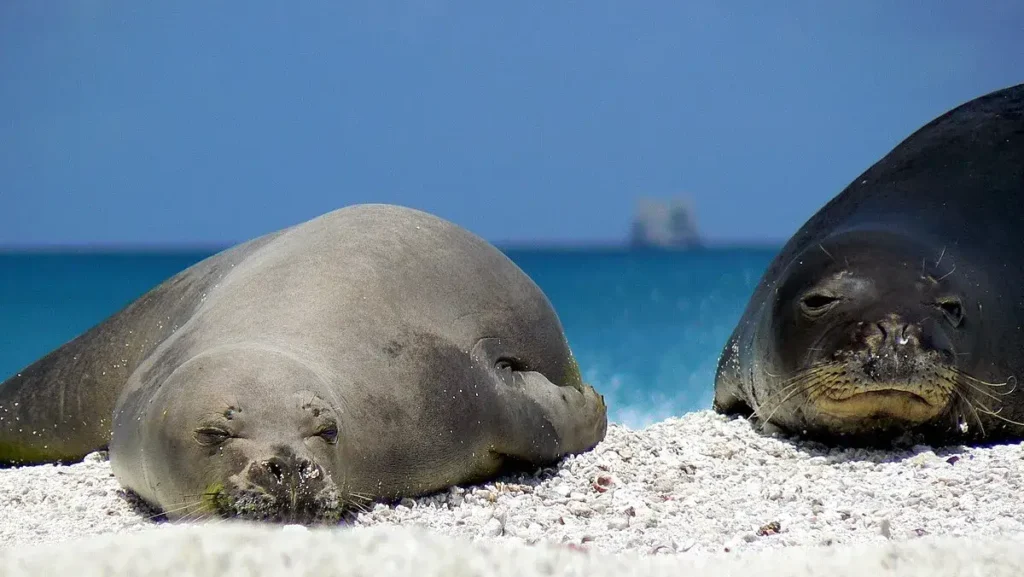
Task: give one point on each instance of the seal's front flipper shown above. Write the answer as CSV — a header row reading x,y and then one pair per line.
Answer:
x,y
543,422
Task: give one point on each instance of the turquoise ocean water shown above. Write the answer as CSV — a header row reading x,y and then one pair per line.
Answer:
x,y
646,326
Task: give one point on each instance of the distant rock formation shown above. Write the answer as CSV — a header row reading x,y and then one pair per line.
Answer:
x,y
664,224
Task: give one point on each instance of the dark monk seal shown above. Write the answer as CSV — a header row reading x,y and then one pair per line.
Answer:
x,y
897,311
375,352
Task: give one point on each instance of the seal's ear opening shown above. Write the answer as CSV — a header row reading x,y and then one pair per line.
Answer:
x,y
952,309
509,363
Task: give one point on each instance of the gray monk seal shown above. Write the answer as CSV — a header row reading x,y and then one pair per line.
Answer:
x,y
896,313
374,352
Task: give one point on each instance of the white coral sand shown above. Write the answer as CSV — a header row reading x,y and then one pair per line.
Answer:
x,y
693,489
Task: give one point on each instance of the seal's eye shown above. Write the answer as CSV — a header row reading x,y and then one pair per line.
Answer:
x,y
952,309
329,433
208,436
816,304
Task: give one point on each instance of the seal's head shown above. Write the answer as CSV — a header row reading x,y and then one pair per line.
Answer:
x,y
243,432
870,337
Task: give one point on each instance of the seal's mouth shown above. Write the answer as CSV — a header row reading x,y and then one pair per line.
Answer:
x,y
909,402
896,384
855,399
857,388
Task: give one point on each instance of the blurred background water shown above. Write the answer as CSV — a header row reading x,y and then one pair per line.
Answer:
x,y
646,325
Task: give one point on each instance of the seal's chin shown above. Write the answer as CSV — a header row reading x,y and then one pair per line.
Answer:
x,y
912,403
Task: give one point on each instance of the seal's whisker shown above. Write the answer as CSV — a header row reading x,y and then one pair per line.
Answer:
x,y
996,414
1010,381
978,389
947,274
192,517
177,508
963,399
826,252
789,387
217,521
783,387
795,389
361,501
205,494
809,387
181,507
360,507
977,417
783,390
365,497
800,375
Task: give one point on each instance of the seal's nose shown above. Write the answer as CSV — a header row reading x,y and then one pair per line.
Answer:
x,y
892,332
284,470
283,485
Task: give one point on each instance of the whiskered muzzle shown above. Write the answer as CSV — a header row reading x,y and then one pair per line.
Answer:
x,y
849,396
282,489
255,504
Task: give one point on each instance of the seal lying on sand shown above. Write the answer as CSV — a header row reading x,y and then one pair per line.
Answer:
x,y
898,309
373,352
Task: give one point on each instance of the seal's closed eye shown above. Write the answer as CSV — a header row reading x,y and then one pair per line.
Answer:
x,y
817,303
209,436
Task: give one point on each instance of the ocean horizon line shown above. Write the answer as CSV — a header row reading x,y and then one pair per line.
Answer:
x,y
518,246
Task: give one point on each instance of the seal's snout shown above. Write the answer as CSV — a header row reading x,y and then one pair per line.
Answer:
x,y
890,369
284,487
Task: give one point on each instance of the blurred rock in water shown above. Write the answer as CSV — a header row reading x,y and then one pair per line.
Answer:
x,y
664,224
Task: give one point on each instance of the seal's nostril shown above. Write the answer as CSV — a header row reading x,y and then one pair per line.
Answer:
x,y
307,470
276,468
902,337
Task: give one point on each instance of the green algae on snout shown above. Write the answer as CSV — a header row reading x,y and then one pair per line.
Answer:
x,y
214,499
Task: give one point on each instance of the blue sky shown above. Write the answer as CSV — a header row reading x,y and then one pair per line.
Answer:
x,y
205,123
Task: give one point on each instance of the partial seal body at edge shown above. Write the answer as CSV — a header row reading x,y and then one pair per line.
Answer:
x,y
897,310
